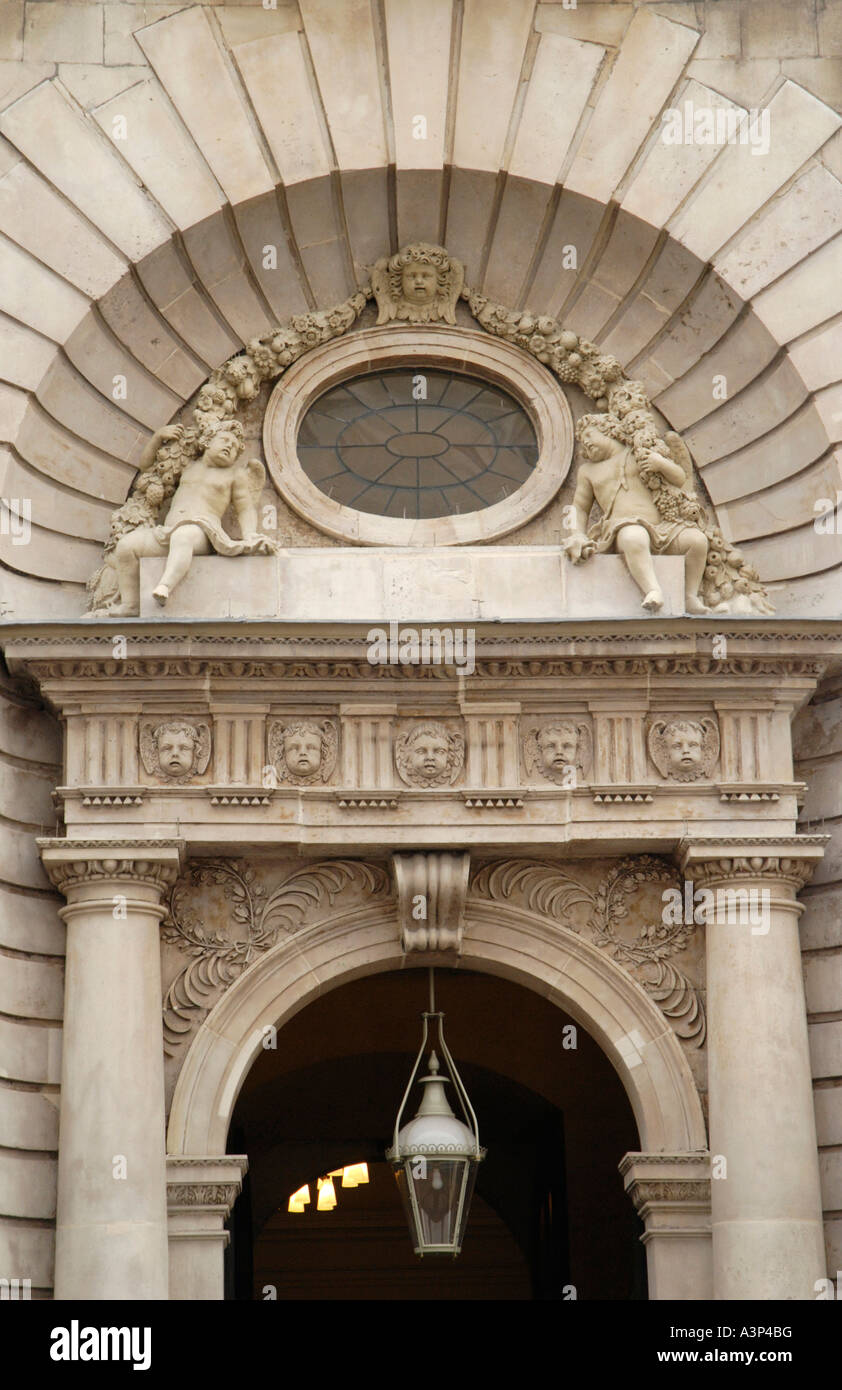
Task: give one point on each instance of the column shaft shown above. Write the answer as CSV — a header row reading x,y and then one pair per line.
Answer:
x,y
111,1227
765,1195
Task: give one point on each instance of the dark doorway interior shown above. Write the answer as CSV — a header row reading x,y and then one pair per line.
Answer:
x,y
549,1215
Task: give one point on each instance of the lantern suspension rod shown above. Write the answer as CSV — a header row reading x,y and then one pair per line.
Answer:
x,y
432,989
412,1076
467,1108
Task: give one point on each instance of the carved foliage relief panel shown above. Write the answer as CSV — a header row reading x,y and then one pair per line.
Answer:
x,y
224,915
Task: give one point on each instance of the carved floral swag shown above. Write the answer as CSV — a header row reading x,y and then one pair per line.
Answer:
x,y
729,583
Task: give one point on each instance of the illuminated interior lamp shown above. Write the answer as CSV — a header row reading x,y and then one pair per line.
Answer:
x,y
436,1156
327,1195
299,1199
355,1175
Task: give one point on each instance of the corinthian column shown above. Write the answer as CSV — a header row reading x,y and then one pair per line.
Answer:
x,y
111,1227
765,1197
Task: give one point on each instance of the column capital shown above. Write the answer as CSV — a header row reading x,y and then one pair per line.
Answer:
x,y
672,1187
204,1184
71,863
787,858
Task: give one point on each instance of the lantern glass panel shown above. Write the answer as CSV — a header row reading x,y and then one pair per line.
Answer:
x,y
436,1193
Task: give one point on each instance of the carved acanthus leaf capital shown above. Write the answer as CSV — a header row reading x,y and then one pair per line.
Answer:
x,y
789,860
72,863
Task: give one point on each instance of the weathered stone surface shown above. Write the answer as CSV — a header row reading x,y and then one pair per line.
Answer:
x,y
740,355
494,34
36,217
116,374
629,103
803,437
749,82
270,259
419,70
224,273
360,585
826,1049
57,453
345,58
807,295
741,180
599,23
786,504
55,137
30,1249
63,33
777,29
121,23
149,137
292,127
34,295
80,515
823,985
184,304
561,82
828,1109
668,172
816,358
720,30
92,85
696,329
30,1052
801,219
28,1120
189,63
11,30
27,1184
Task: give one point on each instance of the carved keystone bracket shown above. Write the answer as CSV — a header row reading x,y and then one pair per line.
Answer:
x,y
431,899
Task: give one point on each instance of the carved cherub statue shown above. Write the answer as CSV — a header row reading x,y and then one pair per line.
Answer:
x,y
176,750
429,755
208,485
561,752
631,522
419,284
304,752
684,750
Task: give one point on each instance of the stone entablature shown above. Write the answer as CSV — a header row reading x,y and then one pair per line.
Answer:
x,y
554,738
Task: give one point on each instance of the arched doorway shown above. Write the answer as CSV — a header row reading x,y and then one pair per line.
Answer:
x,y
550,1219
516,945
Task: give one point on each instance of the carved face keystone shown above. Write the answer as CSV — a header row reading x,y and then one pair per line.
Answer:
x,y
303,753
419,282
427,756
558,749
176,753
684,746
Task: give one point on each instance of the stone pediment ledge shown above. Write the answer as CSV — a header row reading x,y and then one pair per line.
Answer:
x,y
195,640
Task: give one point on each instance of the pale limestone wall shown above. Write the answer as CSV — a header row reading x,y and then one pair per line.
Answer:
x,y
145,258
818,749
31,995
142,257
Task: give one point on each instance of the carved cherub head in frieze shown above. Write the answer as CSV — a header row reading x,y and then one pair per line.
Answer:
x,y
429,755
684,750
176,750
419,284
560,751
304,752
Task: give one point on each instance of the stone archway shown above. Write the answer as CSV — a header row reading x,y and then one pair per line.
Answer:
x,y
507,941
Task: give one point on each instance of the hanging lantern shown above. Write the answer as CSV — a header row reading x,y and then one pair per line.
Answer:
x,y
435,1156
